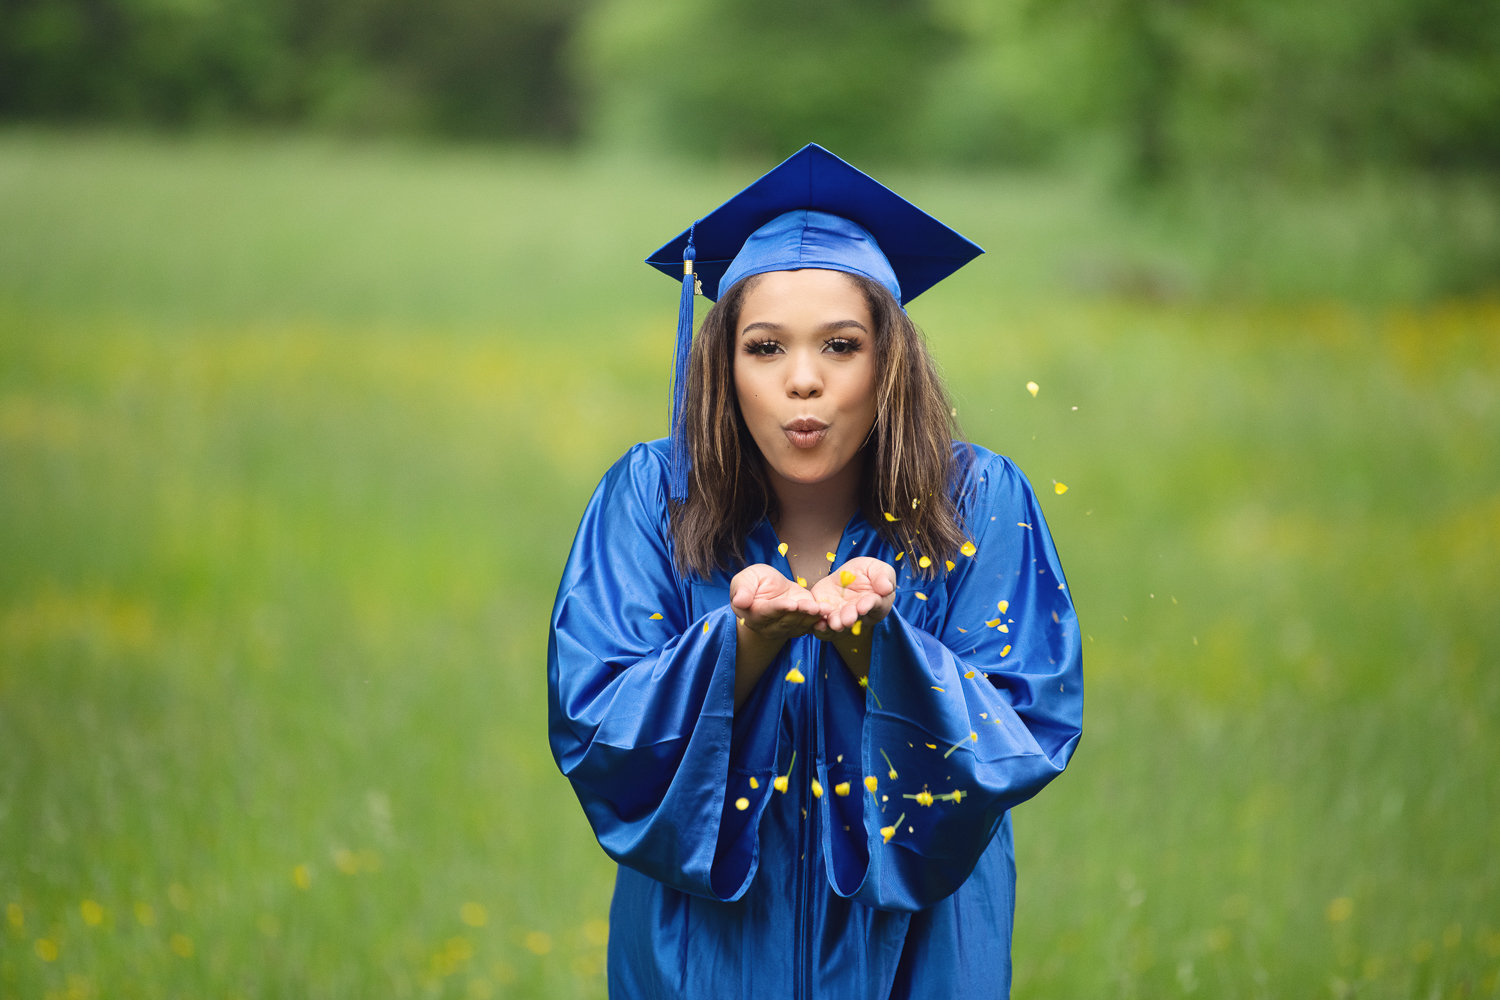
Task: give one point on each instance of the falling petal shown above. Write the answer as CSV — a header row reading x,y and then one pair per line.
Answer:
x,y
753,782
992,623
967,548
974,737
801,582
780,783
705,628
817,789
845,578
949,563
794,676
1005,651
831,556
890,517
1004,606
936,688
961,629
782,548
921,596
1003,628
924,562
656,617
742,803
1033,388
900,554
969,675
855,628
841,789
1059,488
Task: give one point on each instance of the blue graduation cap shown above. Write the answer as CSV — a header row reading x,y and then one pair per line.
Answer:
x,y
811,211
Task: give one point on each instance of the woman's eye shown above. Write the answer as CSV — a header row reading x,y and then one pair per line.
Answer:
x,y
842,345
762,347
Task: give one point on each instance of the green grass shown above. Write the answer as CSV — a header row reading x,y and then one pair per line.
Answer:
x,y
293,438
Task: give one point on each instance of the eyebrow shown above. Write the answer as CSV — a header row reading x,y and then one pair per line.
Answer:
x,y
838,324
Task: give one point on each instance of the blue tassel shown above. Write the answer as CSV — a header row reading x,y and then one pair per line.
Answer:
x,y
680,462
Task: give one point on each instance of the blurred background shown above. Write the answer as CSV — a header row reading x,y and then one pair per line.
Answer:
x,y
319,321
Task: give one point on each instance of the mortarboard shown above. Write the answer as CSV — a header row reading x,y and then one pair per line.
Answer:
x,y
813,210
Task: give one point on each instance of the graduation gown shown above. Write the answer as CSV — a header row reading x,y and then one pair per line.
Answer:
x,y
728,886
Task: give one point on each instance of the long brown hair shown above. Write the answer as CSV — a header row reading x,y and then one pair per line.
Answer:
x,y
908,463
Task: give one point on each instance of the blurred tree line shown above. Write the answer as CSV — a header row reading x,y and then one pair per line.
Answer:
x,y
1162,86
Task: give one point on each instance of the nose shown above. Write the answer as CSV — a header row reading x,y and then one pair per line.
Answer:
x,y
804,376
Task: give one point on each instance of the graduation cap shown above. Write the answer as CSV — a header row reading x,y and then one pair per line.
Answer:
x,y
813,210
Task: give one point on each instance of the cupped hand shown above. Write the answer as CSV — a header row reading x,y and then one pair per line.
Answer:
x,y
862,590
775,608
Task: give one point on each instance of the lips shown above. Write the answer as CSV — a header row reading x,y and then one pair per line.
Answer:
x,y
805,432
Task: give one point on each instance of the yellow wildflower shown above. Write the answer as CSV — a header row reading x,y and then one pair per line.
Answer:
x,y
92,912
958,796
780,783
924,797
887,832
794,676
841,789
474,914
871,782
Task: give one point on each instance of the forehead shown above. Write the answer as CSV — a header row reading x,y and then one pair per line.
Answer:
x,y
807,297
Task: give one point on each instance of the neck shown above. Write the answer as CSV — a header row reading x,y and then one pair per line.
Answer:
x,y
817,508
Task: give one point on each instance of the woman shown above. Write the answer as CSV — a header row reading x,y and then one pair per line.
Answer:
x,y
807,655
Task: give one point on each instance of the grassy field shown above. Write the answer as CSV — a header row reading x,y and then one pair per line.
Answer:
x,y
293,438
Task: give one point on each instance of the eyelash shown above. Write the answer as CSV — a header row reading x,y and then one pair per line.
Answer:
x,y
838,345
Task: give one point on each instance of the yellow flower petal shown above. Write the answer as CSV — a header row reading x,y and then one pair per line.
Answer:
x,y
742,803
782,548
1004,628
1059,488
871,782
924,798
992,623
1033,388
817,789
968,548
801,582
949,563
886,833
1005,651
958,796
656,617
924,562
780,784
831,556
921,596
845,578
900,554
1004,606
705,628
841,789
856,627
891,517
794,676
968,675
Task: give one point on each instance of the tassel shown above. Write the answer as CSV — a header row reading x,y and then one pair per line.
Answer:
x,y
680,462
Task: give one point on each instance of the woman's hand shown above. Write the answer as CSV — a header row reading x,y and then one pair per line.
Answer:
x,y
770,605
861,590
857,594
770,610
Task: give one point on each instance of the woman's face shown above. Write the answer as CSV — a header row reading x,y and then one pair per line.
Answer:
x,y
804,372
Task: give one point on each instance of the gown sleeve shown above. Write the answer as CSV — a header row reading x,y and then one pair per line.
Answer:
x,y
641,714
975,698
